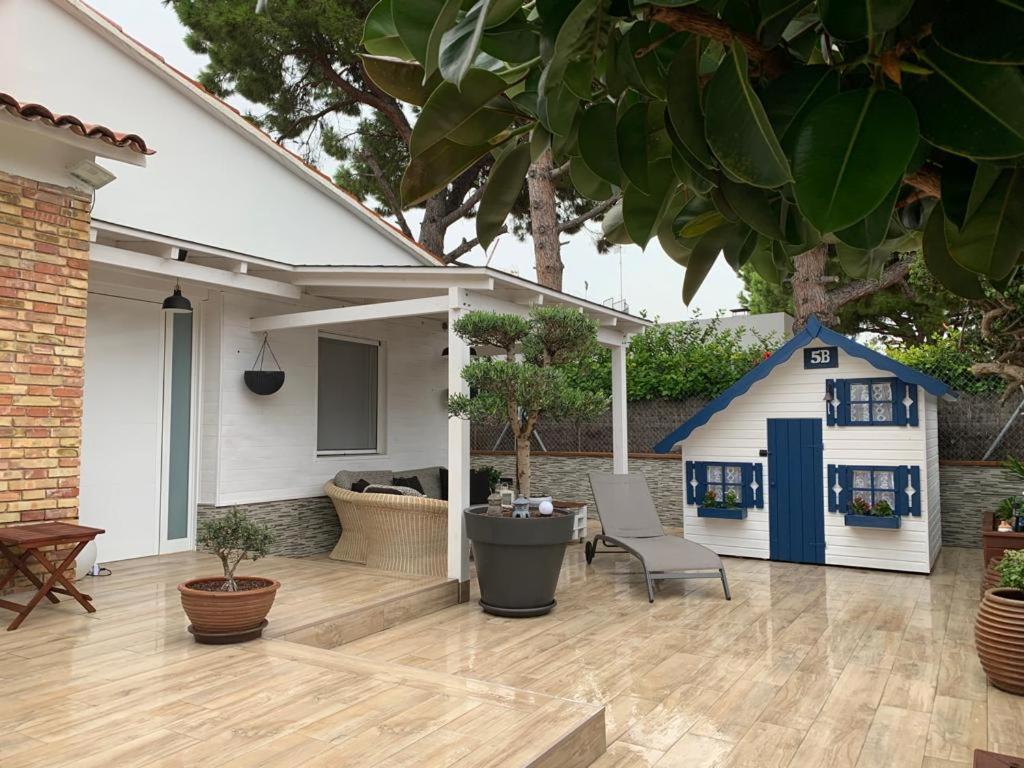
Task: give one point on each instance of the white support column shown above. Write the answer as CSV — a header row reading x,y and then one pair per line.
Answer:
x,y
458,452
620,421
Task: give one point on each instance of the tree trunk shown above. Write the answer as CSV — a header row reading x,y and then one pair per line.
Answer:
x,y
544,222
432,228
523,466
809,294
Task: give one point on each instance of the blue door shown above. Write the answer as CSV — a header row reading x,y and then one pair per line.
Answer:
x,y
796,514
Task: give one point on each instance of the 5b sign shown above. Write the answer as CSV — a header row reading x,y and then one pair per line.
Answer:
x,y
821,357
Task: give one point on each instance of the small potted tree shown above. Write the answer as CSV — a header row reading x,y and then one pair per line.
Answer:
x,y
518,560
999,627
229,608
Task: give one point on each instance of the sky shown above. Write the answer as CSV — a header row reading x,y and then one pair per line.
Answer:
x,y
647,280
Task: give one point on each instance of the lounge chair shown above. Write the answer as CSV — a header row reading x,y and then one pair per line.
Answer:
x,y
630,522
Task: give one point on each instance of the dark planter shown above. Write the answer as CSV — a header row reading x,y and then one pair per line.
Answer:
x,y
872,521
518,561
264,382
724,513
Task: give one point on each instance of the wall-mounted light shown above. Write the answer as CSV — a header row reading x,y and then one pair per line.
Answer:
x,y
176,303
472,352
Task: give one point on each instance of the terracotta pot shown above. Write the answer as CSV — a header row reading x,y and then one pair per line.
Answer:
x,y
999,638
224,617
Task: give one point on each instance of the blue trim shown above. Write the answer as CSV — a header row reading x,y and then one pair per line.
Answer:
x,y
796,513
759,477
813,330
724,513
871,521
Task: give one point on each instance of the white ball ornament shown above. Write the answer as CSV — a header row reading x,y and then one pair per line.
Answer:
x,y
546,508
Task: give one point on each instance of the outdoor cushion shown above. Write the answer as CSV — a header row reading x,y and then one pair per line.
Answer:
x,y
359,486
396,490
479,486
347,477
409,482
429,477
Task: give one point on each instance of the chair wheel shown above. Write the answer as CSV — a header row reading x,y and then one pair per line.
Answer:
x,y
589,551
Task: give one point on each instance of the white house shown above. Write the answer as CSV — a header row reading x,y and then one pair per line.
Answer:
x,y
262,246
780,464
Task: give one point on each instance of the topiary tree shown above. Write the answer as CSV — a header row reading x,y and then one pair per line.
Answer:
x,y
233,537
800,137
529,381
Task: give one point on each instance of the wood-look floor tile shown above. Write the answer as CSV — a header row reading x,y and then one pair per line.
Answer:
x,y
693,751
957,728
896,739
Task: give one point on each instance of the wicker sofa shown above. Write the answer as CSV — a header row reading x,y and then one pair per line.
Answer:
x,y
392,533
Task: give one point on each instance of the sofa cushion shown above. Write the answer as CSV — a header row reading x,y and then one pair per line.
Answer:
x,y
359,486
347,477
412,481
396,490
430,480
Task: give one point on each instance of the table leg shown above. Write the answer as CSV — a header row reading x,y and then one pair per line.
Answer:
x,y
20,564
69,588
56,574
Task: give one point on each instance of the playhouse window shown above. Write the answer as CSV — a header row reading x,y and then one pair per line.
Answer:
x,y
725,478
874,485
872,401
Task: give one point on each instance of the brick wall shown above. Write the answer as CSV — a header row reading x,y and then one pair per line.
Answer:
x,y
44,241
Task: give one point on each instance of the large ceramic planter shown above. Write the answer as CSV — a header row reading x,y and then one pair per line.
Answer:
x,y
227,617
999,638
518,561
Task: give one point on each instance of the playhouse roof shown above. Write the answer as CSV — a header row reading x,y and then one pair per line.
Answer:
x,y
813,330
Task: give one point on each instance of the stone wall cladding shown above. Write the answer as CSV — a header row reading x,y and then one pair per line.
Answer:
x,y
44,243
966,493
302,526
565,477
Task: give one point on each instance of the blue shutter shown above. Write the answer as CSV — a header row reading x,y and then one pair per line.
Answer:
x,y
690,496
830,413
747,471
845,476
759,477
702,481
902,507
833,504
843,411
911,389
915,480
899,411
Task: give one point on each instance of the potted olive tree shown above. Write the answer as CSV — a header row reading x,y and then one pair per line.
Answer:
x,y
230,608
999,627
518,560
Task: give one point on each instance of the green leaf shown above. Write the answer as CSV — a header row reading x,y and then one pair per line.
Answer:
x,y
501,11
870,231
677,249
613,226
969,108
684,108
690,172
401,79
449,110
984,179
413,20
728,238
504,183
857,19
789,98
849,152
859,263
737,127
597,143
698,217
380,36
643,74
588,183
445,19
775,17
754,208
435,167
515,41
988,31
991,240
642,210
955,187
631,139
763,261
557,106
940,263
461,43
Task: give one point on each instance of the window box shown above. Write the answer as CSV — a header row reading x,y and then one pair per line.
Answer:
x,y
872,521
724,513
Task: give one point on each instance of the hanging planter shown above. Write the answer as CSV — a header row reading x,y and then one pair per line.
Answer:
x,y
260,381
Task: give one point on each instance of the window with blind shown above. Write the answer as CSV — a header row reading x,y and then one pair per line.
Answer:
x,y
348,394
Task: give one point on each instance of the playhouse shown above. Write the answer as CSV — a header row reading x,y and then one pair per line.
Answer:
x,y
826,452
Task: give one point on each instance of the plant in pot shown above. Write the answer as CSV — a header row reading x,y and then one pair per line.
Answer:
x,y
229,608
999,627
518,560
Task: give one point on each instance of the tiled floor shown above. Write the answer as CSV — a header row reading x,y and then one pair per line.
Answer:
x,y
806,666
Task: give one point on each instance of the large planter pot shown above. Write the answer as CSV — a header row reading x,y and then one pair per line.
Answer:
x,y
518,561
999,638
227,617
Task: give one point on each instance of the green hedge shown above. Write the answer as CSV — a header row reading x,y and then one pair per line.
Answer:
x,y
949,359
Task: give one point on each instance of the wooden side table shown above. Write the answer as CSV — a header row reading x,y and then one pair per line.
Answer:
x,y
30,538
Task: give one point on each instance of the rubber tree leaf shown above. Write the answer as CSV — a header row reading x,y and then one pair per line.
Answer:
x,y
969,108
643,210
556,106
737,128
698,217
586,182
684,108
380,36
444,21
414,20
613,226
574,40
644,74
514,41
597,143
401,79
987,31
857,19
432,169
448,109
504,184
691,173
861,263
992,238
726,238
677,249
849,152
461,43
873,229
754,208
763,261
955,187
789,98
631,139
940,263
775,17
501,11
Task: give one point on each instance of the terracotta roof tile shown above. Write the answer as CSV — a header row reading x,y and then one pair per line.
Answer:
x,y
39,113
